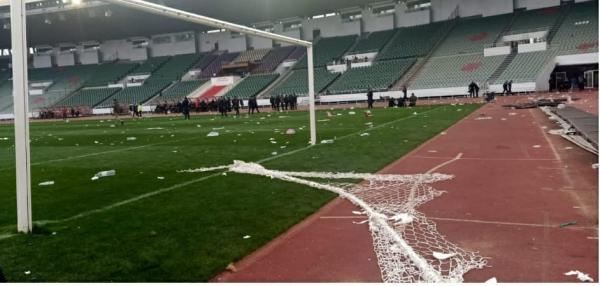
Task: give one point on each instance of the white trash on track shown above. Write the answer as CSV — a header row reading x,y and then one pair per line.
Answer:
x,y
580,275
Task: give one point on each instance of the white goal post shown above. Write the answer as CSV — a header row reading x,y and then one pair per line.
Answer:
x,y
18,16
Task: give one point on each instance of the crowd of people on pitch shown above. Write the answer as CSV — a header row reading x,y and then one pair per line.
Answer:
x,y
63,112
222,105
403,101
284,102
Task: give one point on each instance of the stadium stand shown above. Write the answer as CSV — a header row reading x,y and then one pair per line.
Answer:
x,y
472,35
297,54
374,42
87,97
150,65
251,86
579,30
217,64
179,91
297,83
174,68
378,77
251,56
134,95
525,67
534,20
109,73
274,58
411,42
456,71
212,92
206,60
328,49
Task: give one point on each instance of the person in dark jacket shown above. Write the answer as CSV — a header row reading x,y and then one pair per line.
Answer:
x,y
370,99
185,108
413,100
236,106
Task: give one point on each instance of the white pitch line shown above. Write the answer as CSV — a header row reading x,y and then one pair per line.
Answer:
x,y
165,190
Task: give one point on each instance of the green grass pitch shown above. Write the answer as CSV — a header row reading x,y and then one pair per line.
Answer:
x,y
185,227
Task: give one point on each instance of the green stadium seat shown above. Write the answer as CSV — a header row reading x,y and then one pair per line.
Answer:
x,y
378,77
251,86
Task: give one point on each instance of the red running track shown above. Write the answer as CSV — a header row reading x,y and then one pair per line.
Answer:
x,y
514,185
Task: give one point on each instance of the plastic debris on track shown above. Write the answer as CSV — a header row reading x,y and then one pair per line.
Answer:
x,y
408,246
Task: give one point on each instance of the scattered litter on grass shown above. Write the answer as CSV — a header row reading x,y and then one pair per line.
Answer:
x,y
155,128
112,126
104,174
274,153
290,131
96,142
160,178
213,134
369,123
246,236
364,135
443,133
415,113
172,135
323,120
282,147
351,113
492,280
580,275
27,272
4,139
175,151
131,138
44,184
329,141
459,110
443,256
569,223
60,139
273,142
282,117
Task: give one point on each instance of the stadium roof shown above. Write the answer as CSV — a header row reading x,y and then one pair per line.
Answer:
x,y
91,23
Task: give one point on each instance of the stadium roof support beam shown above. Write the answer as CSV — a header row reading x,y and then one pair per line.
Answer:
x,y
21,112
219,24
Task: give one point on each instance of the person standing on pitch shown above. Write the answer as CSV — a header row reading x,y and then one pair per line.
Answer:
x,y
185,108
405,91
370,99
236,106
116,108
413,100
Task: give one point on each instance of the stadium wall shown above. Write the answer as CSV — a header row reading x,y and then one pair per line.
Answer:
x,y
173,44
122,50
405,18
330,27
535,4
442,9
225,41
374,23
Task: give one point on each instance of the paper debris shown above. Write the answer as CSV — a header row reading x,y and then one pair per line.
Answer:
x,y
536,146
492,280
231,267
595,166
443,256
327,141
48,183
104,174
246,237
580,275
160,178
4,139
274,153
290,131
402,218
213,134
483,118
155,128
131,138
364,134
27,272
351,113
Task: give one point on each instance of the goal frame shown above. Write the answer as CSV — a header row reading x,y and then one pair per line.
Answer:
x,y
18,19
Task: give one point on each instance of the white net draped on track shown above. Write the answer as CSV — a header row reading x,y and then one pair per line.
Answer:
x,y
408,246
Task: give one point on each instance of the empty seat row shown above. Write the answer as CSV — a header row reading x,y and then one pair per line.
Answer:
x,y
328,49
378,77
373,42
88,97
251,86
456,71
179,91
133,95
297,82
411,42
